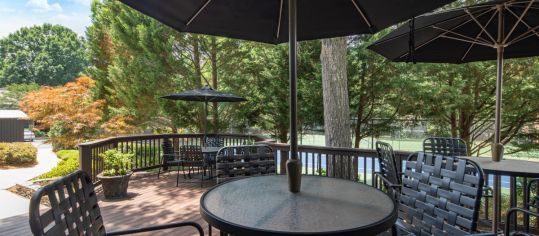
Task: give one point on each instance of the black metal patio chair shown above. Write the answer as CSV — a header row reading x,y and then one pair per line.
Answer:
x,y
439,196
388,175
74,210
244,161
448,146
192,158
531,208
514,231
170,158
445,146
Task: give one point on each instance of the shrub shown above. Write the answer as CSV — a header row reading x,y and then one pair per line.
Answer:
x,y
17,153
116,163
69,163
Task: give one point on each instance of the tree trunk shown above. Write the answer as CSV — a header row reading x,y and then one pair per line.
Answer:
x,y
198,81
336,105
213,58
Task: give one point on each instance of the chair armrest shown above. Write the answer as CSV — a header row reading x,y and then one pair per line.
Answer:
x,y
159,227
395,188
386,181
514,210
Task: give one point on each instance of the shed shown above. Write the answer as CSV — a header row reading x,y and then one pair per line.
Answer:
x,y
12,125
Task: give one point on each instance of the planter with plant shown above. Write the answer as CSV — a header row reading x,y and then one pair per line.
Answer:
x,y
116,173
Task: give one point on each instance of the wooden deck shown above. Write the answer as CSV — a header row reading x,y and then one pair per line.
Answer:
x,y
151,202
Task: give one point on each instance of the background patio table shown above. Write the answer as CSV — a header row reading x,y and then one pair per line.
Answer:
x,y
325,206
506,167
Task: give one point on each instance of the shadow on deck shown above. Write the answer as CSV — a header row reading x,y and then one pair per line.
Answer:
x,y
151,201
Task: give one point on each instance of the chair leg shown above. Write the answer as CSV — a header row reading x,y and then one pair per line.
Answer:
x,y
177,176
183,171
158,172
209,229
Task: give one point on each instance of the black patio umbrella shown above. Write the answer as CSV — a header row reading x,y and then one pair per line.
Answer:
x,y
205,94
266,21
490,31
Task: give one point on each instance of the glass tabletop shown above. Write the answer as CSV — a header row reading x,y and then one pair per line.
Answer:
x,y
263,205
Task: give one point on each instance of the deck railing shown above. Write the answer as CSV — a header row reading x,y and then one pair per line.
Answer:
x,y
147,148
316,160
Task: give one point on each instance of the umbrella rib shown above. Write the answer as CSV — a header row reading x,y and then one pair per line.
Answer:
x,y
524,23
467,41
518,21
464,37
279,22
480,25
362,14
439,36
477,36
198,12
525,35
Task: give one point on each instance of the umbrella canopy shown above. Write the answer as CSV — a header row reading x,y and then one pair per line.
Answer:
x,y
205,94
266,21
467,34
490,31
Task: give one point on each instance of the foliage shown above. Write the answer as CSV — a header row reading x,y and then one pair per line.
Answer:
x,y
45,54
136,60
265,69
118,125
69,162
375,86
116,163
70,111
17,153
461,99
15,92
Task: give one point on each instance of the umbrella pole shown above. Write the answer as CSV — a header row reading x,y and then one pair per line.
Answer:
x,y
205,122
498,116
293,165
497,147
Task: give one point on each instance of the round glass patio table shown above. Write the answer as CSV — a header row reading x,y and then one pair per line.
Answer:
x,y
325,206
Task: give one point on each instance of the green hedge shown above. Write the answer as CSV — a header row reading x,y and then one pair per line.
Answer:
x,y
69,162
17,154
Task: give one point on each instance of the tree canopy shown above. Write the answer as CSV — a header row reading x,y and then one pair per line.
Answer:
x,y
43,54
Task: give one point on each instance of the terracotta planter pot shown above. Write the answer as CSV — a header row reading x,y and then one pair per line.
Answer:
x,y
115,187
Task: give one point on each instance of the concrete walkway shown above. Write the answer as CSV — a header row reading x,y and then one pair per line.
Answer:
x,y
13,204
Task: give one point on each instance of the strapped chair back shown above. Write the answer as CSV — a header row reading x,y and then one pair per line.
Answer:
x,y
241,161
215,142
168,151
440,195
445,146
73,208
191,153
388,164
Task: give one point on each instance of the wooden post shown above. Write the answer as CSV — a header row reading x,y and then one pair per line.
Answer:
x,y
85,159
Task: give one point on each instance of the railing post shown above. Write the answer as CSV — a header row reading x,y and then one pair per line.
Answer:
x,y
85,159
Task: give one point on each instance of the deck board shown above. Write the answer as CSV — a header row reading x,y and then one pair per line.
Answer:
x,y
151,201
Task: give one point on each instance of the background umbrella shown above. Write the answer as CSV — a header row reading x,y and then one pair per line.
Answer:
x,y
489,31
205,94
267,21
